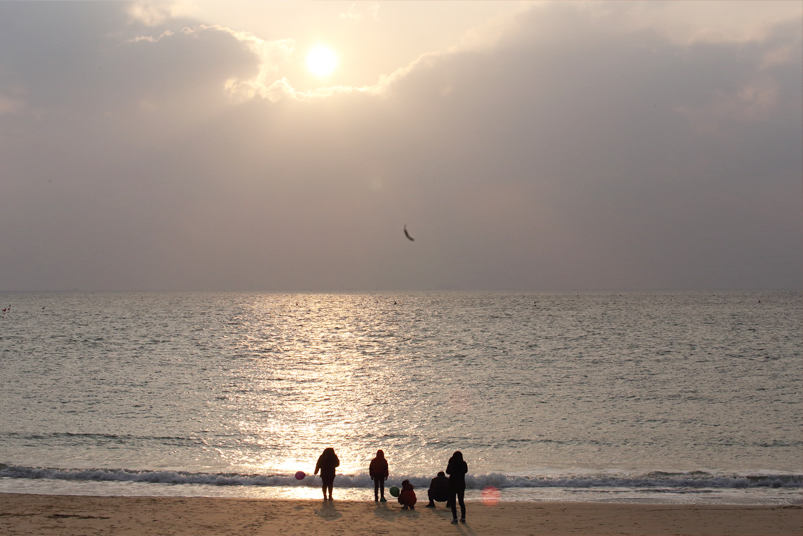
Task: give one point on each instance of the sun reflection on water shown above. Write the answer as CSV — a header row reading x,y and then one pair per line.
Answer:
x,y
243,390
311,379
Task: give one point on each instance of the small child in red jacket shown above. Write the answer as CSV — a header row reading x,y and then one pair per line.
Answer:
x,y
407,496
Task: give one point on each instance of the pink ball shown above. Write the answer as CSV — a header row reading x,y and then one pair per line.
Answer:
x,y
300,475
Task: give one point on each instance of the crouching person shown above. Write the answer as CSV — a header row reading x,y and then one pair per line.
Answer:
x,y
407,496
438,489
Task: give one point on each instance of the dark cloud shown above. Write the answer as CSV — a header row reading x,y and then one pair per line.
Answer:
x,y
571,154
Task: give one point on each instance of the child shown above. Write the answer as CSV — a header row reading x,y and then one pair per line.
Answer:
x,y
326,465
378,471
407,496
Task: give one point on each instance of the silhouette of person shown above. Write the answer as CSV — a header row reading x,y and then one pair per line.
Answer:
x,y
457,469
378,471
407,496
326,465
438,489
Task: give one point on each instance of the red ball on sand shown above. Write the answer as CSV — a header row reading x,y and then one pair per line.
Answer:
x,y
300,475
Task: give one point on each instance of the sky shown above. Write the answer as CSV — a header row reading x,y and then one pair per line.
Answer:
x,y
541,146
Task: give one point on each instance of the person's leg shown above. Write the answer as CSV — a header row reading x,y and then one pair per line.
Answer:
x,y
453,502
431,499
323,488
460,495
376,489
382,488
328,484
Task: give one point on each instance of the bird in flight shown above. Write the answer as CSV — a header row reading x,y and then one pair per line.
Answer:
x,y
410,238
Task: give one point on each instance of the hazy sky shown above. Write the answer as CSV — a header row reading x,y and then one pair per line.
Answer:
x,y
526,146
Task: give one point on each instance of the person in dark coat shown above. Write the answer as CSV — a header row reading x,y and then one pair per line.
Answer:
x,y
457,469
378,471
438,489
407,496
326,465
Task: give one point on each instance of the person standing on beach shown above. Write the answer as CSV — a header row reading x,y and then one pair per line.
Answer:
x,y
457,469
378,471
326,465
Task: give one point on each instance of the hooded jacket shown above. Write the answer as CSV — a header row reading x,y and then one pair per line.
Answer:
x,y
407,495
379,467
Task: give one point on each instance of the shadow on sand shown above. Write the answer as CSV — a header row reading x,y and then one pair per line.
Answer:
x,y
328,512
446,515
391,514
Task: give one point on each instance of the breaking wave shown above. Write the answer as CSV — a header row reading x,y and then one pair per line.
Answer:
x,y
668,481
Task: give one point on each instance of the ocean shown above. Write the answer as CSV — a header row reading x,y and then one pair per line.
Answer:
x,y
673,397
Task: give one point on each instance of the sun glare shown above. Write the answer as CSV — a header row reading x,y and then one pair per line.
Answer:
x,y
321,61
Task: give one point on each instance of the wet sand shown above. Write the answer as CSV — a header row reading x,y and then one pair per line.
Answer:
x,y
63,515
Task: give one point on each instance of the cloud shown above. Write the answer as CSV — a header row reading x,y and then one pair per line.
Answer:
x,y
567,152
151,13
361,11
270,54
10,105
283,89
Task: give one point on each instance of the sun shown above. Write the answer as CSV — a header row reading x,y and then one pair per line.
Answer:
x,y
321,61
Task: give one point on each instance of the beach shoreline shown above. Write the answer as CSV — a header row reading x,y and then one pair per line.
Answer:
x,y
63,515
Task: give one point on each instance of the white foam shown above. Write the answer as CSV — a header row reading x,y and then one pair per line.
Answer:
x,y
657,481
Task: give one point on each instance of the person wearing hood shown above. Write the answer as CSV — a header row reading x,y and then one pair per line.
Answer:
x,y
326,465
407,496
457,469
378,471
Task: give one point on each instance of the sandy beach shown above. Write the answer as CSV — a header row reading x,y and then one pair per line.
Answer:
x,y
67,515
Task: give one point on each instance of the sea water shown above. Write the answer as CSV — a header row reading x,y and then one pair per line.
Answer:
x,y
661,397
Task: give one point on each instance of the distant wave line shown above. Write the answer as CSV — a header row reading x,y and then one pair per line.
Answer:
x,y
667,480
